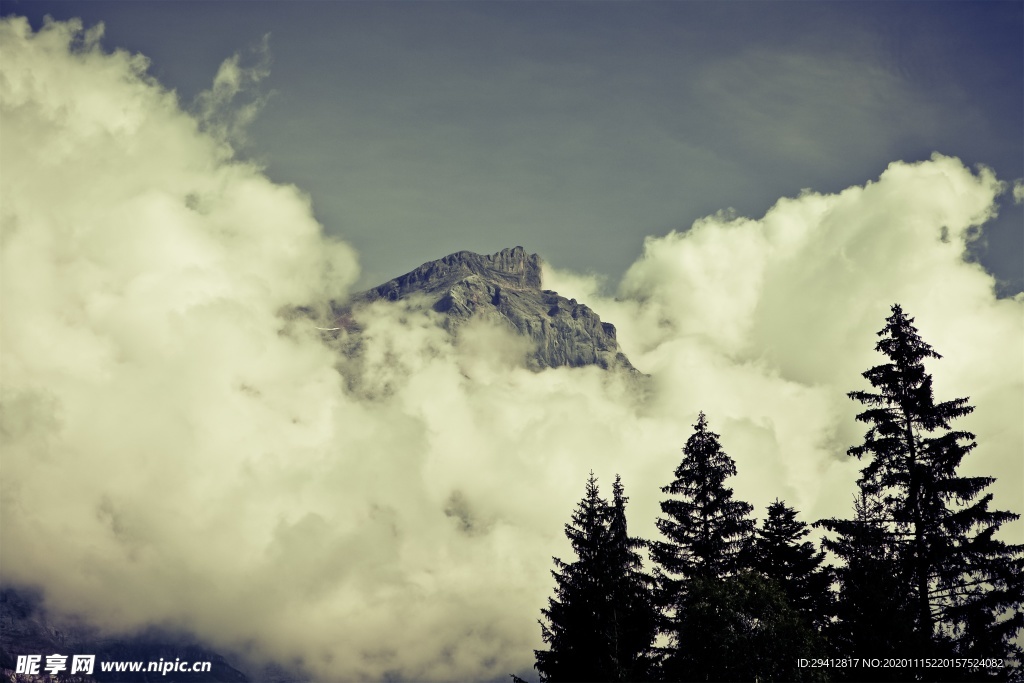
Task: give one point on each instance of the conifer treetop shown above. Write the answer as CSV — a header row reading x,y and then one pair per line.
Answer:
x,y
961,585
706,529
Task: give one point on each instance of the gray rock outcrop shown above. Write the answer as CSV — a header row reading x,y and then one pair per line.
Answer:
x,y
506,288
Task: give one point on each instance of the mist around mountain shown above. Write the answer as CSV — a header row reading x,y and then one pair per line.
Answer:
x,y
505,289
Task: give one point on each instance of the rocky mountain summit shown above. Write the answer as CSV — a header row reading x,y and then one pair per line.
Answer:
x,y
506,288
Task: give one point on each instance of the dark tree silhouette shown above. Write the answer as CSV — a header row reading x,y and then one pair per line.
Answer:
x,y
873,609
707,530
633,619
963,586
708,534
601,622
781,554
741,628
575,632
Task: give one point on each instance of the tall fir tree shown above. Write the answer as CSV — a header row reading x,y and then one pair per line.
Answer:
x,y
601,622
707,531
574,631
708,535
873,615
633,618
963,585
781,554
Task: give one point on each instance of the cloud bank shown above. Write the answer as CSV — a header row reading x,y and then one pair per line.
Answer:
x,y
178,452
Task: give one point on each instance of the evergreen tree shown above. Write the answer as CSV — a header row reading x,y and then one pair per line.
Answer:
x,y
601,622
742,628
708,535
873,612
963,586
632,623
781,554
575,632
707,530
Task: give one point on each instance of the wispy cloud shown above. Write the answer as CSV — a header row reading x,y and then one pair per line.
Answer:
x,y
234,100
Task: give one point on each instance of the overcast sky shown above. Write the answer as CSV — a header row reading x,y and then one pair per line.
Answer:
x,y
575,129
178,453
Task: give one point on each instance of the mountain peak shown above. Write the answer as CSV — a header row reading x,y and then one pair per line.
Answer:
x,y
506,288
512,268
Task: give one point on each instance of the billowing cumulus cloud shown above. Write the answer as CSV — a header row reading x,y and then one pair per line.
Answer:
x,y
180,451
770,322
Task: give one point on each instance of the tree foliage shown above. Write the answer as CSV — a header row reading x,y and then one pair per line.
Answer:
x,y
601,622
782,555
741,628
918,573
873,612
707,531
633,616
933,526
707,539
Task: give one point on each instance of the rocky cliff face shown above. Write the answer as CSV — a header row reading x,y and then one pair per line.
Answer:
x,y
506,288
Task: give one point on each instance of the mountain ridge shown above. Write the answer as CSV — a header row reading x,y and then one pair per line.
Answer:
x,y
506,288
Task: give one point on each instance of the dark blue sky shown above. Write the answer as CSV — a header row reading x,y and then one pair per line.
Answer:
x,y
576,128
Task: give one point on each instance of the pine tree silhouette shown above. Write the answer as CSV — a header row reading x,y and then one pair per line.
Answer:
x,y
964,587
874,616
706,529
633,618
574,631
601,622
781,554
708,538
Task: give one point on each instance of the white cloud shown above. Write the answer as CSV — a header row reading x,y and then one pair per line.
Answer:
x,y
220,108
175,452
770,322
